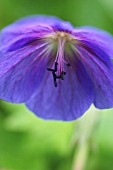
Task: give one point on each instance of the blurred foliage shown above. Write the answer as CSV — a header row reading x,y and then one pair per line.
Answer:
x,y
29,143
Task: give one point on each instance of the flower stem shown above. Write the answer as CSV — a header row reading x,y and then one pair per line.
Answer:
x,y
81,157
84,133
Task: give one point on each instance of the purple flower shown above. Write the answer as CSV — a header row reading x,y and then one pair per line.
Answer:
x,y
57,70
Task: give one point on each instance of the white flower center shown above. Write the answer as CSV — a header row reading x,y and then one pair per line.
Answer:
x,y
60,34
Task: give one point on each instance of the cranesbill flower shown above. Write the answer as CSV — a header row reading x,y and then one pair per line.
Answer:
x,y
57,70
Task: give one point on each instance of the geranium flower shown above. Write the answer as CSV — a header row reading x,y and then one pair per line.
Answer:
x,y
57,70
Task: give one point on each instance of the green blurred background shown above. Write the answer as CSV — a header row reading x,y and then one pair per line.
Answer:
x,y
29,143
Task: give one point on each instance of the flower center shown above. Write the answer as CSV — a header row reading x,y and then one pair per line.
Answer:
x,y
61,39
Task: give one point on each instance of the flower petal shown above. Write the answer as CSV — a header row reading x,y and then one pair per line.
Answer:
x,y
102,38
34,26
100,68
21,72
12,40
69,100
51,21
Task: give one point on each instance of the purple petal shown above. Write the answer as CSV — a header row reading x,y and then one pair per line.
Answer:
x,y
33,26
22,61
100,68
102,38
14,39
52,21
21,73
69,100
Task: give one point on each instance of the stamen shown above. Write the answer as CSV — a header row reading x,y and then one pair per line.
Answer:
x,y
55,76
55,68
63,74
58,67
56,64
68,64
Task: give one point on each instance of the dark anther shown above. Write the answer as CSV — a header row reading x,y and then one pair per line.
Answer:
x,y
62,75
56,64
50,69
55,76
68,64
55,68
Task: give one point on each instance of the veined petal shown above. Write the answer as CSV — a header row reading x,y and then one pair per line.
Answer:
x,y
102,38
21,72
22,36
44,20
32,26
66,102
100,69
